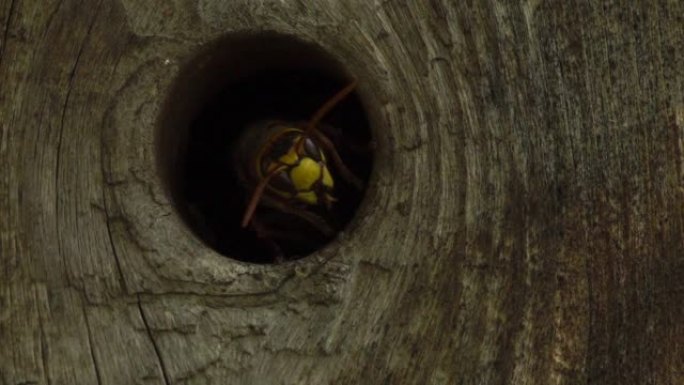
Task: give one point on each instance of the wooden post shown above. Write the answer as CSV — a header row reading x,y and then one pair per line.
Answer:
x,y
523,223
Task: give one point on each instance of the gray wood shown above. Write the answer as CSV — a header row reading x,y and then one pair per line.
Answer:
x,y
523,224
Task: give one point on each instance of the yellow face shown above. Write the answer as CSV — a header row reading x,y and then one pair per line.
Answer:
x,y
304,173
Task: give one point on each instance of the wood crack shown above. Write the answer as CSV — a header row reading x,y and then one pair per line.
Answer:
x,y
44,354
51,18
113,247
70,86
5,34
91,345
154,342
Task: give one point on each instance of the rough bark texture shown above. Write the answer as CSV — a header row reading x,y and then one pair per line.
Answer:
x,y
524,223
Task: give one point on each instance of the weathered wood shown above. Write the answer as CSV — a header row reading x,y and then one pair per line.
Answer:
x,y
523,224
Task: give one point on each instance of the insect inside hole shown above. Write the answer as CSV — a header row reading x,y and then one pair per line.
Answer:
x,y
291,171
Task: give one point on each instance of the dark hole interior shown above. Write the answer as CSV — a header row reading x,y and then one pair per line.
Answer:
x,y
257,78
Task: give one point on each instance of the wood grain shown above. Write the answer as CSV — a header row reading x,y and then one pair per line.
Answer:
x,y
523,224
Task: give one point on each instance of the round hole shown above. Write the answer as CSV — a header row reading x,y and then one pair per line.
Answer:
x,y
237,98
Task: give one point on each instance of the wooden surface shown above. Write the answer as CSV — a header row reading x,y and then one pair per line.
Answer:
x,y
523,225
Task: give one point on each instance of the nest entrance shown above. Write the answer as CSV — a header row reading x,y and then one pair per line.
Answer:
x,y
239,82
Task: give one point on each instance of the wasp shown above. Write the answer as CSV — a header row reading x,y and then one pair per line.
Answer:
x,y
290,171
